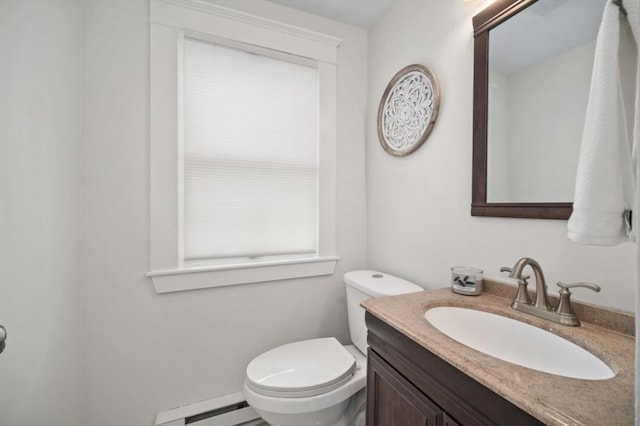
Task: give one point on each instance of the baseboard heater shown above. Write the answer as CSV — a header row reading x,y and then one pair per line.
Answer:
x,y
226,410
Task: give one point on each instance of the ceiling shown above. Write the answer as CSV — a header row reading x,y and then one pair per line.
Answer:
x,y
360,13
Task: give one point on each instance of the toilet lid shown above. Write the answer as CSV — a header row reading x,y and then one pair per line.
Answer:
x,y
301,369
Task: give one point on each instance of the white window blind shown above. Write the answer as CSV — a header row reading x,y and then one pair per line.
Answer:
x,y
250,154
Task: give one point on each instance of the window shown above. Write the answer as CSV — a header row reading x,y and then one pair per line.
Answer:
x,y
242,148
250,132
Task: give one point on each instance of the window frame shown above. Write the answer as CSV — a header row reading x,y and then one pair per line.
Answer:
x,y
170,22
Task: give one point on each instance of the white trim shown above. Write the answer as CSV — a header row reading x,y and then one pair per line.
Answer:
x,y
213,19
238,45
163,133
180,145
244,265
327,107
179,414
237,15
172,280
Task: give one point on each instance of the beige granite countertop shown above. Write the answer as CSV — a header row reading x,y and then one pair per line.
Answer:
x,y
552,399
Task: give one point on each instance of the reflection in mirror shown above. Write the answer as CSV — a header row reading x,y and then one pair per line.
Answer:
x,y
540,63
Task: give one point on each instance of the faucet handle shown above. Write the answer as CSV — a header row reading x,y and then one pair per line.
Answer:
x,y
564,304
565,287
522,294
510,271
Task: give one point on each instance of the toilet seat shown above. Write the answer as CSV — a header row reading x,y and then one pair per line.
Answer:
x,y
301,369
273,404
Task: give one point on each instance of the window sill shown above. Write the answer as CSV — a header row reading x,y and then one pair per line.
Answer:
x,y
168,281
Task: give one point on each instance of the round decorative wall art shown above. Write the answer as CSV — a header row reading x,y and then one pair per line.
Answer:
x,y
408,110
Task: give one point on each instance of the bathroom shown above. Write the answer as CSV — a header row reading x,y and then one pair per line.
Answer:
x,y
90,341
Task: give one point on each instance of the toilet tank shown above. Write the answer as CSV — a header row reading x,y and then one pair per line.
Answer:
x,y
362,285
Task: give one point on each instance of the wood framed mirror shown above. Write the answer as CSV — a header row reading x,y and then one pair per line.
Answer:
x,y
520,47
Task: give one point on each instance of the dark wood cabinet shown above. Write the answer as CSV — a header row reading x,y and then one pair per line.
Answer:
x,y
394,401
448,421
408,385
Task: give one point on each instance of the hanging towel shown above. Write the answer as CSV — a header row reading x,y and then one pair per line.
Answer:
x,y
607,174
633,17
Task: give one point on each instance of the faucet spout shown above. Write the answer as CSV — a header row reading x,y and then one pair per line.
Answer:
x,y
542,301
562,314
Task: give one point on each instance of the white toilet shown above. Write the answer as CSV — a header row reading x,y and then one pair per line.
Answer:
x,y
319,382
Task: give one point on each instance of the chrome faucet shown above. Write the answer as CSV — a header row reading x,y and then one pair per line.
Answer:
x,y
561,314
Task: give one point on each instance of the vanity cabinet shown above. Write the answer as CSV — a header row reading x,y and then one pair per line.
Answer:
x,y
408,385
395,400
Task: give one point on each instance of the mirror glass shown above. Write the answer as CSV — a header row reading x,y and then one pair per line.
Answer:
x,y
540,63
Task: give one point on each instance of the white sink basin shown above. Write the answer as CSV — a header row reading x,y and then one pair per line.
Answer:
x,y
518,343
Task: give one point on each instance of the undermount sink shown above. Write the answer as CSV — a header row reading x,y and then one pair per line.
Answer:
x,y
517,342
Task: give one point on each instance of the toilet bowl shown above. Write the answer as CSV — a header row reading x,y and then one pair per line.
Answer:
x,y
319,382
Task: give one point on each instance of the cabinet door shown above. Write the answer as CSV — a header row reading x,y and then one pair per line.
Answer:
x,y
448,421
393,401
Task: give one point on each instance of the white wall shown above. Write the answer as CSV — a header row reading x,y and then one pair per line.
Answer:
x,y
40,154
419,222
147,352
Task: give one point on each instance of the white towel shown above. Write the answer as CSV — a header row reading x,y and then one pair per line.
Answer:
x,y
605,181
633,17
